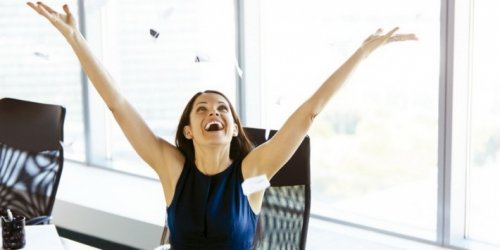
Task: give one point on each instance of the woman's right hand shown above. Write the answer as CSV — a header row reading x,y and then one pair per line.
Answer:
x,y
65,23
378,39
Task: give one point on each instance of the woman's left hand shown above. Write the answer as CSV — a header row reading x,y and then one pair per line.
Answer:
x,y
64,22
378,39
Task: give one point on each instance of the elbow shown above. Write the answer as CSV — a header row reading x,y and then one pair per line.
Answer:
x,y
309,112
116,105
312,117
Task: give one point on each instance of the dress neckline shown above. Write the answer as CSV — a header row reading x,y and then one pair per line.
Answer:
x,y
216,174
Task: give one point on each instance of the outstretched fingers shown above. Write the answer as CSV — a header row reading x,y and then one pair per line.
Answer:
x,y
379,38
46,7
35,7
43,9
402,37
50,13
376,34
392,37
66,10
390,33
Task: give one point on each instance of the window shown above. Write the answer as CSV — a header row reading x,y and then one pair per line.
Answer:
x,y
374,146
476,122
485,124
160,53
37,65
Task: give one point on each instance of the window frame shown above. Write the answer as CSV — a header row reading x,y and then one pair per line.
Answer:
x,y
453,137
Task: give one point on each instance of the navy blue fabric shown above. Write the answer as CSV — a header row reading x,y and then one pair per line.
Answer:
x,y
210,212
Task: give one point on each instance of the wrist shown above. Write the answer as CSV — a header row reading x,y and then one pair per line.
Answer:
x,y
362,52
73,36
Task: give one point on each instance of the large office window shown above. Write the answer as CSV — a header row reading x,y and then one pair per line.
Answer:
x,y
485,124
37,65
161,53
374,154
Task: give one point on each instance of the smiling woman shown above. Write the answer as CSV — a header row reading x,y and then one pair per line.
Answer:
x,y
202,173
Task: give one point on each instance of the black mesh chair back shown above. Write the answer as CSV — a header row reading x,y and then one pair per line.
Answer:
x,y
31,158
284,217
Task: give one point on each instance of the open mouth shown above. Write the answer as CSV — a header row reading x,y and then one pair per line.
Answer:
x,y
214,126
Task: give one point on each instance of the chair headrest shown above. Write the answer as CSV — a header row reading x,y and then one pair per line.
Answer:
x,y
31,126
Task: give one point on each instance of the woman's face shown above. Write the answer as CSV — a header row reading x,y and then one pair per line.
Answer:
x,y
212,122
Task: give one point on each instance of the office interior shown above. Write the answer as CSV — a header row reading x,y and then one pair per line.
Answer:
x,y
405,156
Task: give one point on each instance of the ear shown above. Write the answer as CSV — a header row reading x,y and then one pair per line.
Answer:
x,y
235,132
187,132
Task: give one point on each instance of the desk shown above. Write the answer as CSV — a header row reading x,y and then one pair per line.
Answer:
x,y
43,237
73,245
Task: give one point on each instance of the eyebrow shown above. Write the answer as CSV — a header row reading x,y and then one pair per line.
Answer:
x,y
220,102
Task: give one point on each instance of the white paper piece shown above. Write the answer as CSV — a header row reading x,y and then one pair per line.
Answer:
x,y
159,22
68,145
255,184
238,68
41,55
201,57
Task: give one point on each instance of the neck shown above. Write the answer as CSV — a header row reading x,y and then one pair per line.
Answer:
x,y
212,160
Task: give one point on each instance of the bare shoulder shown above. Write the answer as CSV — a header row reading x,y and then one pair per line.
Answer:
x,y
170,169
171,163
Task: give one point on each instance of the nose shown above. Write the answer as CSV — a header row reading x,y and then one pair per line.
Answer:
x,y
214,112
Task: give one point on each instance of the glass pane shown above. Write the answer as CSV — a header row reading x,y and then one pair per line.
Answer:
x,y
484,202
374,147
37,64
162,53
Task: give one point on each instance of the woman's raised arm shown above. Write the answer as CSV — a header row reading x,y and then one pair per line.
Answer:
x,y
152,149
270,157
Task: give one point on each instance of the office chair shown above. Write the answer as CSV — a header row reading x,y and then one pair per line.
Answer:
x,y
284,216
31,158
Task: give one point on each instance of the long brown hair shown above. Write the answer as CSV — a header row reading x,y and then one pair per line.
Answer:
x,y
240,145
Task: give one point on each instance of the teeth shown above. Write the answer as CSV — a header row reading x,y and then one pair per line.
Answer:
x,y
214,125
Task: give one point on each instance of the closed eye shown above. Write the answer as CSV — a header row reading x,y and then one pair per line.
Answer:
x,y
201,109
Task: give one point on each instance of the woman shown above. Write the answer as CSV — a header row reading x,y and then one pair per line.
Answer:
x,y
202,174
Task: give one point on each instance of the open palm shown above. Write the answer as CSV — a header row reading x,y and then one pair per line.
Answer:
x,y
65,23
378,39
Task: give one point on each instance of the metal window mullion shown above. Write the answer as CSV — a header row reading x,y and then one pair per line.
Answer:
x,y
85,89
239,14
445,122
93,112
462,119
248,53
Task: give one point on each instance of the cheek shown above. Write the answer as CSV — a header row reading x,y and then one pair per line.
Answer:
x,y
193,118
193,121
230,119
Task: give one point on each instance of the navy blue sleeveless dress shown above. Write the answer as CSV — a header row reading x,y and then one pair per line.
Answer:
x,y
210,212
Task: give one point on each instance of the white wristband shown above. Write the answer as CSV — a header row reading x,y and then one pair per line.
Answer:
x,y
255,184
